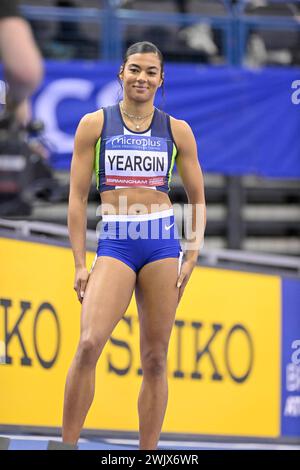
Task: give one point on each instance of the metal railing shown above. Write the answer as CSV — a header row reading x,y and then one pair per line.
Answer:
x,y
235,24
246,22
48,232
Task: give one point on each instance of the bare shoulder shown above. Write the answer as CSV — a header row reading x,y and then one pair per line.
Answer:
x,y
181,131
91,125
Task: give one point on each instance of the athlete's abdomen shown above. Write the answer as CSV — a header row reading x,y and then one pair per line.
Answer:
x,y
134,201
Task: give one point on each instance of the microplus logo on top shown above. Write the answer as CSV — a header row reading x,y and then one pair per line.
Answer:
x,y
142,142
134,160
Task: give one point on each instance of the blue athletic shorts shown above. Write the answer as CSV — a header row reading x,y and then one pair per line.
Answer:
x,y
139,239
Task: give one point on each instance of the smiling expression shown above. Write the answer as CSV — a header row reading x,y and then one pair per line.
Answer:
x,y
141,76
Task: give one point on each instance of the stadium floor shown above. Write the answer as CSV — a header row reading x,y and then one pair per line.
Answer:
x,y
33,442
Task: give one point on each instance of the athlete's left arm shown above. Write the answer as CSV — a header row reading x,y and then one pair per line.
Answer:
x,y
189,170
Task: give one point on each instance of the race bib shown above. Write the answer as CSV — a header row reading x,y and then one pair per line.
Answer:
x,y
132,160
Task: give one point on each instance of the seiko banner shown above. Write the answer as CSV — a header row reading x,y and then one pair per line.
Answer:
x,y
233,362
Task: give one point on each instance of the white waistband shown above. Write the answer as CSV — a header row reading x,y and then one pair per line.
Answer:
x,y
137,217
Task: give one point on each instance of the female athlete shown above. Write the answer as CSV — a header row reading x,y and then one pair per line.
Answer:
x,y
133,146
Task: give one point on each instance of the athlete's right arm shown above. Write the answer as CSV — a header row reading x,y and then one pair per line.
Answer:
x,y
87,133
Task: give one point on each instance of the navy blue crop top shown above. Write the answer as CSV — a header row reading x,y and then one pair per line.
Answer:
x,y
124,158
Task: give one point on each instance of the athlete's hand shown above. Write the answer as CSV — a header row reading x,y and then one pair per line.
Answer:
x,y
184,275
80,283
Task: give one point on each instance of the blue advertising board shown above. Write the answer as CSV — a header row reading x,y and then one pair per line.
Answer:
x,y
290,367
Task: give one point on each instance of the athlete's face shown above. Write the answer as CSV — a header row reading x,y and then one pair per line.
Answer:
x,y
141,76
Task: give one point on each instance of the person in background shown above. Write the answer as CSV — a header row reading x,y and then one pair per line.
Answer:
x,y
22,61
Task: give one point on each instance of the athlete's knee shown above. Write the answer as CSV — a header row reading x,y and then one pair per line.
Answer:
x,y
154,362
88,352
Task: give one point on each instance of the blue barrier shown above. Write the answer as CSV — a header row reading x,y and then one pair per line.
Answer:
x,y
236,114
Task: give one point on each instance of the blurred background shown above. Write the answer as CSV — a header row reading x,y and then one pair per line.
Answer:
x,y
233,73
243,57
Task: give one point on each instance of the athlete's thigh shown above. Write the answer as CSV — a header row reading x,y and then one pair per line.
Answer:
x,y
107,296
157,298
